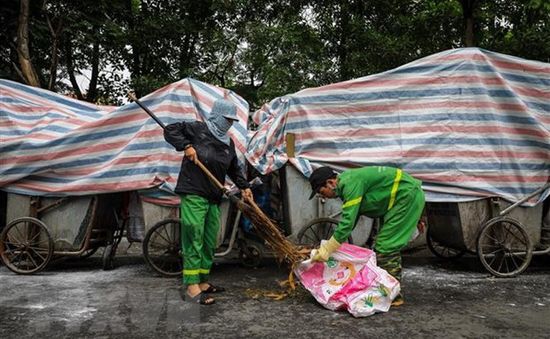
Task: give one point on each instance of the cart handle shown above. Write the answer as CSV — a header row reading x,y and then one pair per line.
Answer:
x,y
524,199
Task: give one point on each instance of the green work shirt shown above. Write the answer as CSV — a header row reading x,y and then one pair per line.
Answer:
x,y
369,191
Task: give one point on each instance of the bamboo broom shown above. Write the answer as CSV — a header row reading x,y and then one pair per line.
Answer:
x,y
265,228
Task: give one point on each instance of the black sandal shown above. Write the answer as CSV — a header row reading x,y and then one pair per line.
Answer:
x,y
201,298
214,289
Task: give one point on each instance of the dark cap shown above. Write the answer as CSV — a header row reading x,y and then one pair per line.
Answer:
x,y
319,177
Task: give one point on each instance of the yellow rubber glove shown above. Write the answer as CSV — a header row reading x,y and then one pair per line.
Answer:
x,y
325,250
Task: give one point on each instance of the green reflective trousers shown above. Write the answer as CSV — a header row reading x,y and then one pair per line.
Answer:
x,y
200,222
399,225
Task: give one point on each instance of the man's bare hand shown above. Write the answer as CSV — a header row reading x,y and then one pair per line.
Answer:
x,y
191,154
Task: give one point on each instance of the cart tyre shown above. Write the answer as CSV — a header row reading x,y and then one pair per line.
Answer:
x,y
251,256
442,251
108,256
505,241
312,234
37,254
166,257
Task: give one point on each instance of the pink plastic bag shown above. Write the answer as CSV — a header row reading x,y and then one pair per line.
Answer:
x,y
350,279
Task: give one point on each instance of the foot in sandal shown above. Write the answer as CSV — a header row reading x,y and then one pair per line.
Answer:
x,y
211,288
193,294
201,298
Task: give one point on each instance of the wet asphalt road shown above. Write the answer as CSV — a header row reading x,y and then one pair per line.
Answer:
x,y
76,299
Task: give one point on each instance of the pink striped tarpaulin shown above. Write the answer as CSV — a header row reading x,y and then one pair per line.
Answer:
x,y
468,122
53,145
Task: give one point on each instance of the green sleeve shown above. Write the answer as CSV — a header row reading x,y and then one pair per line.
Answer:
x,y
352,195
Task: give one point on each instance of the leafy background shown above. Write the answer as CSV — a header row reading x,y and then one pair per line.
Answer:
x,y
261,49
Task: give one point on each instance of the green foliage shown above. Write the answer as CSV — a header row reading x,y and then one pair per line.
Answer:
x,y
517,27
8,30
261,49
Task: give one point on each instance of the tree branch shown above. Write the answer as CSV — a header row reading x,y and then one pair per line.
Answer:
x,y
54,50
18,71
92,88
70,68
27,69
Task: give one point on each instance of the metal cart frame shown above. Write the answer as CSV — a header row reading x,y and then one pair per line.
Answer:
x,y
26,245
502,243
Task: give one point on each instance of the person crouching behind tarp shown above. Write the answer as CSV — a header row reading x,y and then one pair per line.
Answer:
x,y
200,198
376,192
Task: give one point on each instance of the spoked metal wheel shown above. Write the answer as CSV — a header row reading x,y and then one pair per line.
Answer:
x,y
440,250
504,247
26,246
317,230
162,249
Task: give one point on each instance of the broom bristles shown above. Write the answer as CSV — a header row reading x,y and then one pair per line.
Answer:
x,y
268,231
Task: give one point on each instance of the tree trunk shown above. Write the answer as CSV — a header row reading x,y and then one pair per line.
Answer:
x,y
184,57
135,66
469,37
27,69
92,89
56,34
70,68
468,8
343,44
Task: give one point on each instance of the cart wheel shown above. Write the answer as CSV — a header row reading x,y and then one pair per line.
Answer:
x,y
26,246
504,247
108,256
440,250
317,230
162,249
251,255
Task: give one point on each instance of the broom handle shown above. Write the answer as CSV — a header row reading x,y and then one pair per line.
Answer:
x,y
151,114
210,175
220,186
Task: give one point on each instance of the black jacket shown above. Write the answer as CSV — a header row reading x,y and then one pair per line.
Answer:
x,y
218,157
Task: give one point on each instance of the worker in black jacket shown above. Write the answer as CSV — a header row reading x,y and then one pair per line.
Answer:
x,y
200,198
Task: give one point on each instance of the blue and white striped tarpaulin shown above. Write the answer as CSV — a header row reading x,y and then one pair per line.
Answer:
x,y
468,122
57,146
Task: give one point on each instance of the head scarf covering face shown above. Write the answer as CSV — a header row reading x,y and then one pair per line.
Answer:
x,y
218,123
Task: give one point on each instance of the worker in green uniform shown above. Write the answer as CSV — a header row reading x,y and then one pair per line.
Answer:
x,y
376,192
200,198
